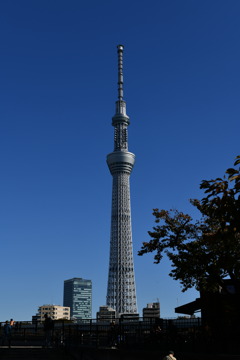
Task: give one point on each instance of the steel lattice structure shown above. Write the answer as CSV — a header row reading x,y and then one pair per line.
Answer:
x,y
121,292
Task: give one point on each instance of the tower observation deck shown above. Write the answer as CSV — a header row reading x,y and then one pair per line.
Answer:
x,y
121,291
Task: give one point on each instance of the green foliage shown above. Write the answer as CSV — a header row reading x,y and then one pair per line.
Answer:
x,y
204,252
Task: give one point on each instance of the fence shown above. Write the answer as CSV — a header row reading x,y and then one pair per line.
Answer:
x,y
121,332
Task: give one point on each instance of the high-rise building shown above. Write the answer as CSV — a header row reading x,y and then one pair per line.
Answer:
x,y
78,296
121,291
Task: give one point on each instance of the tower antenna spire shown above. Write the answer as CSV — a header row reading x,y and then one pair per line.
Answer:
x,y
120,72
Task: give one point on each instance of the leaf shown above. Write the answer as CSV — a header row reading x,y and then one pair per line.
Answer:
x,y
234,177
237,161
231,171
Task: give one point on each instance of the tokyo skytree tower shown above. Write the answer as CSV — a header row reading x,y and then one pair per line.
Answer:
x,y
121,292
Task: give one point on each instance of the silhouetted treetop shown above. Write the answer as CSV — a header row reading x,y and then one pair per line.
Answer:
x,y
207,251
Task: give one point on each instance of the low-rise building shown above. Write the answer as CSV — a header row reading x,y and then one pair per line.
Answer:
x,y
152,310
55,312
106,313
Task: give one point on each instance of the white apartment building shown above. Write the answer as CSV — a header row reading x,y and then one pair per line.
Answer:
x,y
55,312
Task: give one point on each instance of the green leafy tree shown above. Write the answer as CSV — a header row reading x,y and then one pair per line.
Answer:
x,y
205,252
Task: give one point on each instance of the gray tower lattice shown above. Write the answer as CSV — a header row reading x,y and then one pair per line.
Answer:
x,y
121,292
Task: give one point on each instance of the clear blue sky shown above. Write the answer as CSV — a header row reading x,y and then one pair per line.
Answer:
x,y
57,96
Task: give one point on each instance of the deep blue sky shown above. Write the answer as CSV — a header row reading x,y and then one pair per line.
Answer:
x,y
58,89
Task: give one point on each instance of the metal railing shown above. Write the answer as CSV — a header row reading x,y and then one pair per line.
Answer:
x,y
182,334
102,333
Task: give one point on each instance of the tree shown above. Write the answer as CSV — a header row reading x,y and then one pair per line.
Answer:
x,y
204,252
